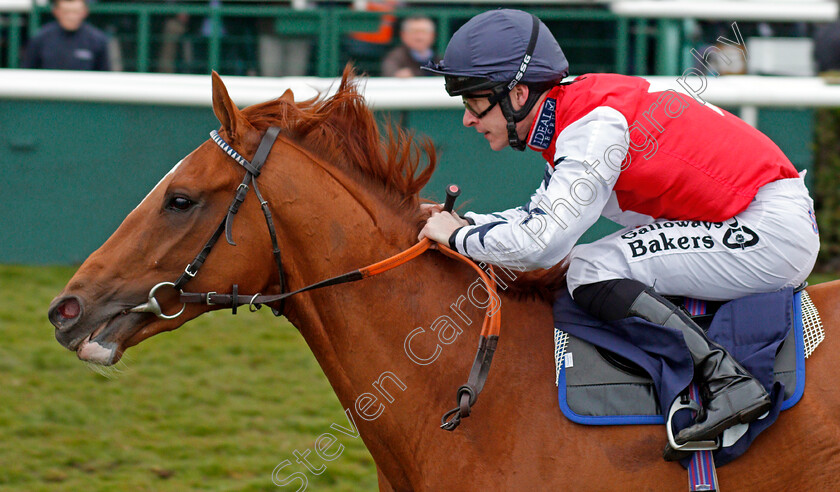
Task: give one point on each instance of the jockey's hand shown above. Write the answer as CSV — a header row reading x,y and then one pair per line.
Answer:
x,y
428,209
440,226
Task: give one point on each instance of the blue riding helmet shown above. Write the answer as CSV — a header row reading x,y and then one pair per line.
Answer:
x,y
497,50
491,47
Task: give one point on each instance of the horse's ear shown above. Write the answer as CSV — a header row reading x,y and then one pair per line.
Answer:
x,y
228,114
288,96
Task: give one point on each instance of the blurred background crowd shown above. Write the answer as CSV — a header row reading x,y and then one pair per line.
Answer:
x,y
384,37
272,39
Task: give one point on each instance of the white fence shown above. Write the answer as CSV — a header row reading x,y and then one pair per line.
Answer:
x,y
729,10
742,91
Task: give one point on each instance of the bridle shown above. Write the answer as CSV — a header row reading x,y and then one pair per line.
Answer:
x,y
252,172
467,393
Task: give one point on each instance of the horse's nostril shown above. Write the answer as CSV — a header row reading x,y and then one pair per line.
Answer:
x,y
65,312
69,309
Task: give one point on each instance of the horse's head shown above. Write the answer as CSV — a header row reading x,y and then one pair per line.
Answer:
x,y
330,180
157,240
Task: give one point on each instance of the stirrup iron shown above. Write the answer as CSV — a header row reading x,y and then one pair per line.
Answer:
x,y
685,403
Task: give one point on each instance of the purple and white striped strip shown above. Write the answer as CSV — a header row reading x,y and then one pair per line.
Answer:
x,y
701,468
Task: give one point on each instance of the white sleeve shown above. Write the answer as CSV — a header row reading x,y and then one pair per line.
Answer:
x,y
481,219
569,200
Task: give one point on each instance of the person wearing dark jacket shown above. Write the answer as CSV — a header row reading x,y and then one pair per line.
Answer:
x,y
827,47
68,43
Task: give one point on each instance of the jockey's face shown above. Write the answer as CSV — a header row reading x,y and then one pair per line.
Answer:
x,y
493,124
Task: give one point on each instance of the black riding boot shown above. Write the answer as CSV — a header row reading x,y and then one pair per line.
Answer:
x,y
732,395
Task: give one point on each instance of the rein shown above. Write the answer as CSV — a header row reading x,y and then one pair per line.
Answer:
x,y
467,393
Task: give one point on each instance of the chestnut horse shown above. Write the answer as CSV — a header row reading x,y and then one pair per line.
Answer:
x,y
342,198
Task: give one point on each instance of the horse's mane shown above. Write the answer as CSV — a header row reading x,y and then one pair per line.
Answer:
x,y
342,130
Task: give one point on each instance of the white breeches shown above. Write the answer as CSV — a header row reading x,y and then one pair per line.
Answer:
x,y
771,245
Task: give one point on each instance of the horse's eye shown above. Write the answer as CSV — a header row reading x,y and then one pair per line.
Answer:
x,y
179,203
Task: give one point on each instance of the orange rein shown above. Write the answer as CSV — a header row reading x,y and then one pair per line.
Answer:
x,y
492,324
490,328
467,393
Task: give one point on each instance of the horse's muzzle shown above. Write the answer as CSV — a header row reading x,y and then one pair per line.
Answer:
x,y
65,312
73,325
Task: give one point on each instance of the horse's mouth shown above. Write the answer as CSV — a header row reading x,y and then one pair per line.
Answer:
x,y
103,345
95,349
103,353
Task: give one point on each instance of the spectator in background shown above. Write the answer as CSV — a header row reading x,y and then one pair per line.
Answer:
x,y
283,55
417,35
173,41
827,47
69,43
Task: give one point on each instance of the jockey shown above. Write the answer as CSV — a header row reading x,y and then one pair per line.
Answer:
x,y
713,209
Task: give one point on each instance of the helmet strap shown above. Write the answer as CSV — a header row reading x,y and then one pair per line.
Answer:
x,y
513,116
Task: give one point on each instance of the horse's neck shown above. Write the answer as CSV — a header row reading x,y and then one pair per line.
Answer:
x,y
361,335
358,331
358,334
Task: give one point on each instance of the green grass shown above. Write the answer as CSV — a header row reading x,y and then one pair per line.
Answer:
x,y
818,278
215,405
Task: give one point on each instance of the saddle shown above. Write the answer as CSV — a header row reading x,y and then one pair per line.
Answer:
x,y
603,382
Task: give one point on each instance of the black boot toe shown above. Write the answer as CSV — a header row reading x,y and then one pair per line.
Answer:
x,y
740,404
